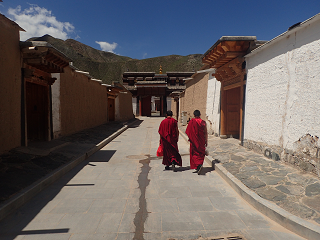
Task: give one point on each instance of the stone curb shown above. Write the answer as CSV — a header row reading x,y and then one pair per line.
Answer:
x,y
291,222
29,192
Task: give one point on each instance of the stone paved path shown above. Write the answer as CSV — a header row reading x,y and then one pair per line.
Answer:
x,y
123,192
289,188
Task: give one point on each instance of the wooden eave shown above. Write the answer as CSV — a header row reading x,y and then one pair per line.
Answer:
x,y
44,57
226,56
225,52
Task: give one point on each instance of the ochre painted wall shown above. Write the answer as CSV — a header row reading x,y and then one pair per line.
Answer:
x,y
10,85
195,96
174,109
83,102
124,110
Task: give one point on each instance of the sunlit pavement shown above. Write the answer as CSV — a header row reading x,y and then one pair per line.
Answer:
x,y
123,192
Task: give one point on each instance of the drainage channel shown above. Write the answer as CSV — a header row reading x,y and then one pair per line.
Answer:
x,y
142,214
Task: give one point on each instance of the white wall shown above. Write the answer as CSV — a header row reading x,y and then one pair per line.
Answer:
x,y
283,88
55,91
168,103
213,105
134,105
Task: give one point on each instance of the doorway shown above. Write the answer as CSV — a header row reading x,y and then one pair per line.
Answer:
x,y
37,102
233,112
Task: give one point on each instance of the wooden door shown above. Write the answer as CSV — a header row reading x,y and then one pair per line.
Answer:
x,y
146,106
37,99
112,109
233,112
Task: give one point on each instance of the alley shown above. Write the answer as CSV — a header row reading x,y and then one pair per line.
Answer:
x,y
122,192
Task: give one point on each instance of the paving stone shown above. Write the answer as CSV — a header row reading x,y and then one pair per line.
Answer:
x,y
295,189
313,189
226,146
271,194
242,176
253,183
267,169
237,158
260,173
283,189
194,204
271,180
181,221
312,202
279,173
233,167
253,220
162,205
274,164
222,157
299,179
221,221
260,160
252,168
297,209
227,203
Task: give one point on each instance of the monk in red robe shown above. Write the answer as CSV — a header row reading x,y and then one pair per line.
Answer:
x,y
198,137
169,135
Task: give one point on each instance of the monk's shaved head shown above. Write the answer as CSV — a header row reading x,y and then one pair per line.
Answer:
x,y
169,113
196,113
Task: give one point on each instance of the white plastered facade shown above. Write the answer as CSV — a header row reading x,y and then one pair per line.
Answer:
x,y
283,86
213,105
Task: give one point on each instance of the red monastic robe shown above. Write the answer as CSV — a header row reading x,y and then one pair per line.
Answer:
x,y
196,131
169,141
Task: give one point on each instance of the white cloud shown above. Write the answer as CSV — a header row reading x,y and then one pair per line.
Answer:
x,y
144,55
107,47
39,21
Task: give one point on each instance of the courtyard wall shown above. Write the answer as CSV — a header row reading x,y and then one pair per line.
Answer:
x,y
282,105
10,85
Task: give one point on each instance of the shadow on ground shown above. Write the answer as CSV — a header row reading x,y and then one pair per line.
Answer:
x,y
13,225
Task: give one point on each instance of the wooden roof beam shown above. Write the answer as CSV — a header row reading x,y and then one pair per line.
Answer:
x,y
220,50
229,71
225,46
227,55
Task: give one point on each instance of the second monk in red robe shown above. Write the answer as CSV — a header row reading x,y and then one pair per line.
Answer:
x,y
169,135
198,137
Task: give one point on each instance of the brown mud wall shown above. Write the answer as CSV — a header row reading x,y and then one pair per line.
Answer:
x,y
10,85
195,96
83,102
124,110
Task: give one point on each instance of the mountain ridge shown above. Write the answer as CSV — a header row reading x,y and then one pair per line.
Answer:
x,y
109,67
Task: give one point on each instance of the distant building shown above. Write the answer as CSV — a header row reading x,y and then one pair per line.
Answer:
x,y
148,86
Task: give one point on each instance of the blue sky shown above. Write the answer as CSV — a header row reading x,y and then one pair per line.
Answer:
x,y
146,28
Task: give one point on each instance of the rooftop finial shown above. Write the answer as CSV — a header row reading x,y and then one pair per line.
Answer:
x,y
160,70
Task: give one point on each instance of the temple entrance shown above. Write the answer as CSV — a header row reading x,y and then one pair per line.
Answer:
x,y
37,102
233,112
155,106
145,106
150,90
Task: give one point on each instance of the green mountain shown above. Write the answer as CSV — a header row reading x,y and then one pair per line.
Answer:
x,y
109,67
